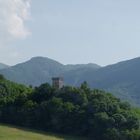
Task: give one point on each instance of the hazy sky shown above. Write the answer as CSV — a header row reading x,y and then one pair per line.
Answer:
x,y
69,31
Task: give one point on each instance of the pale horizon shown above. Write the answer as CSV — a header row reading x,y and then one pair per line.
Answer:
x,y
70,63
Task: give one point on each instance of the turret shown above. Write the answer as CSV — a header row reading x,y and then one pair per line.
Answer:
x,y
57,82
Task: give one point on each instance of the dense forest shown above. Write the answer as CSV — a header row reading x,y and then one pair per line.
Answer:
x,y
82,111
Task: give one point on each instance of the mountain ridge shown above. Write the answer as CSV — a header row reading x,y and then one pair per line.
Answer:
x,y
38,70
121,78
3,66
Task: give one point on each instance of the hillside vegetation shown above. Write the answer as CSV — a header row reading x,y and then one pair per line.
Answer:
x,y
121,79
81,111
39,70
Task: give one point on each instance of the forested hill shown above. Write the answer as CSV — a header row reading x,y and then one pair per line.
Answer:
x,y
122,79
93,114
41,69
9,91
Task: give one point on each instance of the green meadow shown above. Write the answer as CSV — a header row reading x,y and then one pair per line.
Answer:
x,y
14,133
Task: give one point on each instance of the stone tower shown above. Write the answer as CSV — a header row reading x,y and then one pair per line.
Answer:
x,y
57,82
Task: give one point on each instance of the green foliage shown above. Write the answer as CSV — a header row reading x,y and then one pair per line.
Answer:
x,y
1,77
70,110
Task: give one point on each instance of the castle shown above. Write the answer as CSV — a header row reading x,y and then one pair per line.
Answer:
x,y
57,82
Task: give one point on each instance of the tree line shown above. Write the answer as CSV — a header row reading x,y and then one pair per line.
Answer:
x,y
82,111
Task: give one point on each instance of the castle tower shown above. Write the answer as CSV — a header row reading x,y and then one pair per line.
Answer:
x,y
58,82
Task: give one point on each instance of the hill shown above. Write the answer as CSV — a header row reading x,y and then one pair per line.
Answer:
x,y
14,133
41,69
92,114
122,79
3,66
9,91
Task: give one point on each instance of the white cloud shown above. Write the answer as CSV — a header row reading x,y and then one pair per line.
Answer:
x,y
13,14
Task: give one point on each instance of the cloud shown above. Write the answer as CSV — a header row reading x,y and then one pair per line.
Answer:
x,y
13,14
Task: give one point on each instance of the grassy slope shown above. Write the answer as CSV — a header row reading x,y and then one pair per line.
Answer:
x,y
13,133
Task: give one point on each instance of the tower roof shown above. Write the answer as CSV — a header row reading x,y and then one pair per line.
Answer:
x,y
58,78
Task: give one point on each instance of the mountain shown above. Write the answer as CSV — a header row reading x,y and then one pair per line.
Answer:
x,y
33,72
81,66
41,69
3,66
122,79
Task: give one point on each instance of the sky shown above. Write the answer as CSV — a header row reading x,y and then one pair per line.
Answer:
x,y
69,31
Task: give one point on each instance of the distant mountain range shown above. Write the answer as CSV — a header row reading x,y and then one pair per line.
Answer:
x,y
122,79
39,70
